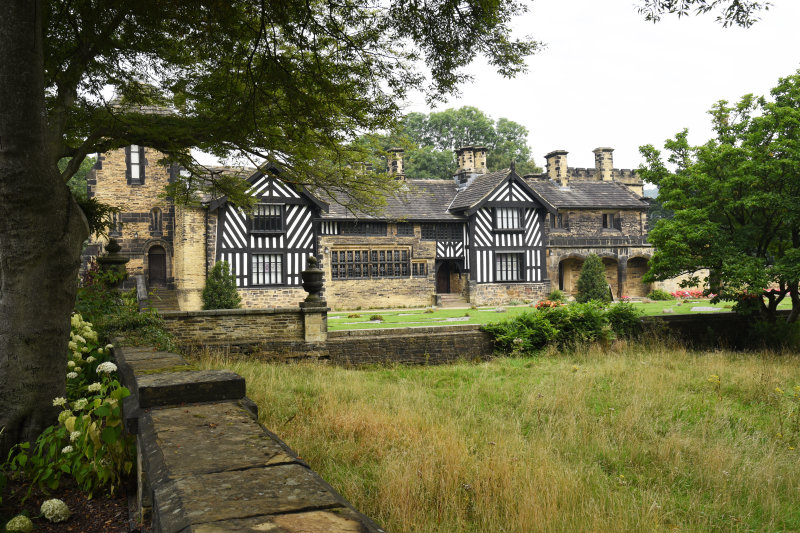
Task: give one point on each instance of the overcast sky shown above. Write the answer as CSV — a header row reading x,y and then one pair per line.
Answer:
x,y
608,78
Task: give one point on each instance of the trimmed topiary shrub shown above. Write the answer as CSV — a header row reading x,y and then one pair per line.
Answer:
x,y
592,284
220,290
658,294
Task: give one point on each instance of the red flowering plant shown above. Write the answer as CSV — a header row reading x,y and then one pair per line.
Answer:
x,y
544,304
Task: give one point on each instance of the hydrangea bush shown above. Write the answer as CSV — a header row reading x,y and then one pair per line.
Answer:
x,y
88,442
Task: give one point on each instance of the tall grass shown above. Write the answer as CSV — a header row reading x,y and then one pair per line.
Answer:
x,y
636,439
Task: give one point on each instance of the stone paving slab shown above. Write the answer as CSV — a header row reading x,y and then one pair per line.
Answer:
x,y
254,492
134,353
206,438
164,363
191,386
340,520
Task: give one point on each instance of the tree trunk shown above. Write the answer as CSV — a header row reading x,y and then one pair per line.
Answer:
x,y
41,233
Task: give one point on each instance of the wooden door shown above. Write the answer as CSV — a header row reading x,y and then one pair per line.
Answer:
x,y
443,279
157,266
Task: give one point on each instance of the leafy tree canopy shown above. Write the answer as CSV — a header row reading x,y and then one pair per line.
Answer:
x,y
291,83
735,201
430,141
742,13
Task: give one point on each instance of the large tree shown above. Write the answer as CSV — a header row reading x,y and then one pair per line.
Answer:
x,y
735,201
269,80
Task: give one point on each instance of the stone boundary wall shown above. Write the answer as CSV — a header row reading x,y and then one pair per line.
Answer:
x,y
243,326
205,464
712,330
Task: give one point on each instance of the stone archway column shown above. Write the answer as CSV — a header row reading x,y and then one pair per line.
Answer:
x,y
622,275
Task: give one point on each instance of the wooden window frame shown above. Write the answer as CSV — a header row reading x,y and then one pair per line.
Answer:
x,y
506,263
363,228
501,218
444,231
261,269
134,171
366,262
265,220
406,231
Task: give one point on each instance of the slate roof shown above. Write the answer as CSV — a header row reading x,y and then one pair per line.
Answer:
x,y
423,200
587,195
478,189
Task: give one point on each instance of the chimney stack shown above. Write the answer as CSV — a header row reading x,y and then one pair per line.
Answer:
x,y
603,163
394,163
557,166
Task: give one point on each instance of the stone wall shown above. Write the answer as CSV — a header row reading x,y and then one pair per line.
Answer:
x,y
268,297
190,256
589,223
380,292
503,293
232,326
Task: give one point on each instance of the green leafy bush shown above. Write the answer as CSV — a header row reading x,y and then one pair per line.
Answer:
x,y
89,442
659,294
625,319
565,326
557,295
524,334
220,290
592,284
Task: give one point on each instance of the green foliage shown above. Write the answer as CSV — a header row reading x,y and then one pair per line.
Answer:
x,y
566,327
557,295
116,313
742,13
625,320
660,294
592,284
377,318
89,442
734,200
430,141
294,95
220,290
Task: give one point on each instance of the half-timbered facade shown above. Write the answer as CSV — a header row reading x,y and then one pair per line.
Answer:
x,y
483,238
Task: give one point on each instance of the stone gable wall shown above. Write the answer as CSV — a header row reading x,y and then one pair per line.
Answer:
x,y
107,183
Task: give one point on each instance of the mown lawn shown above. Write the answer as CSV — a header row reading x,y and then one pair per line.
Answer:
x,y
442,317
641,438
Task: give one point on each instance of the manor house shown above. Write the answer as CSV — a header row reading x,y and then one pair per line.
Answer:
x,y
480,238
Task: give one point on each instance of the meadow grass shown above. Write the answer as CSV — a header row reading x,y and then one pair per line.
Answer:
x,y
638,438
442,317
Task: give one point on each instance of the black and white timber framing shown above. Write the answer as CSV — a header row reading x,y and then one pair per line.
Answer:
x,y
275,256
523,242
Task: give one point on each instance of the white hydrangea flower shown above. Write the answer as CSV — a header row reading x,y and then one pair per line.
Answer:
x,y
100,351
70,364
80,403
80,339
73,346
67,449
19,524
90,359
72,375
63,415
85,349
78,369
109,346
94,387
55,510
75,435
75,321
106,368
58,402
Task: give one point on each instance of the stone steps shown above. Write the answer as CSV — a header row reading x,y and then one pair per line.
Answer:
x,y
164,299
452,300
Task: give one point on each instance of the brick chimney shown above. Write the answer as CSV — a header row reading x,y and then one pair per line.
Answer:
x,y
394,163
603,163
557,167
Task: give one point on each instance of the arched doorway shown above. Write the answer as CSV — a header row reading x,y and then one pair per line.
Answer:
x,y
569,270
157,266
634,286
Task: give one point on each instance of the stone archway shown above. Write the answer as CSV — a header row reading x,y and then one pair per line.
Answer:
x,y
611,266
569,270
448,277
634,286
